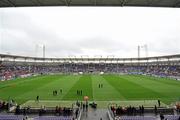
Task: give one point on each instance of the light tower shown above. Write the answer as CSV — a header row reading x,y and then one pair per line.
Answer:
x,y
42,47
145,47
44,51
138,51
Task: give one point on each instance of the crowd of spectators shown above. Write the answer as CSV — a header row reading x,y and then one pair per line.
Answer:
x,y
3,105
130,110
63,111
164,70
60,111
12,71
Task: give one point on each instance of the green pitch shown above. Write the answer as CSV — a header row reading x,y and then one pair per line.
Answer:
x,y
115,88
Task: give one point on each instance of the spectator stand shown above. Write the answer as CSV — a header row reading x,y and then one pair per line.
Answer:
x,y
116,111
54,112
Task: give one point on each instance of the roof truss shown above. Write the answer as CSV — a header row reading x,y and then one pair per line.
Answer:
x,y
143,3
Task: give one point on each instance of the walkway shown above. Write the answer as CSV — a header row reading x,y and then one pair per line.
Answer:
x,y
95,114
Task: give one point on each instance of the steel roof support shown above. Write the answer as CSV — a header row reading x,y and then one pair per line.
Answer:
x,y
177,3
62,2
39,2
34,2
67,2
8,2
123,2
11,3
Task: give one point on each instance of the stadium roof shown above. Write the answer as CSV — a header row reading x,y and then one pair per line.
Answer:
x,y
13,57
145,3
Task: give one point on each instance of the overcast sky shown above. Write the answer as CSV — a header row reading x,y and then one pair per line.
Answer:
x,y
92,31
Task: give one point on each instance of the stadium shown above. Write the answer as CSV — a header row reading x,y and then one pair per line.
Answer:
x,y
89,88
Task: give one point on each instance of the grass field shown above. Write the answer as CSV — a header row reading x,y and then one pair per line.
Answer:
x,y
115,88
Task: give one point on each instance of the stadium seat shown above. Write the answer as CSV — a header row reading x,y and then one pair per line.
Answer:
x,y
11,117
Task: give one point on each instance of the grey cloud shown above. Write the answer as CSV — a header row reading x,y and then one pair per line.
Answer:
x,y
20,32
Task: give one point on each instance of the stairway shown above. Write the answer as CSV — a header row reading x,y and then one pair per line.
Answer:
x,y
95,114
